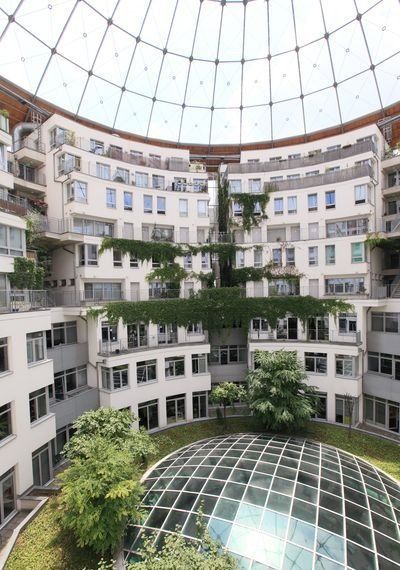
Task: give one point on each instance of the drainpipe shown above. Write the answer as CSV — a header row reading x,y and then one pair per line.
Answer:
x,y
17,132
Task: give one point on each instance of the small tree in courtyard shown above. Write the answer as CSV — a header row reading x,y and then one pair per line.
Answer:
x,y
277,391
226,393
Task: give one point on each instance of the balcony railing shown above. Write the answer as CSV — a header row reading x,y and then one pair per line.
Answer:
x,y
13,301
295,336
123,346
31,144
12,204
389,226
76,299
29,175
335,177
303,161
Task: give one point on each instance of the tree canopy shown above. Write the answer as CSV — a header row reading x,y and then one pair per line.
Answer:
x,y
226,393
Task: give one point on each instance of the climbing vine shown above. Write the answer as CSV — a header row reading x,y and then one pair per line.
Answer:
x,y
377,240
223,205
244,274
173,273
253,206
218,308
26,275
144,250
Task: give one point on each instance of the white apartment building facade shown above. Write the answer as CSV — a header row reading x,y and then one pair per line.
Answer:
x,y
88,185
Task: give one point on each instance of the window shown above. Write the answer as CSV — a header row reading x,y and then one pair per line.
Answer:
x,y
258,325
5,421
175,409
257,257
35,347
12,241
318,328
383,363
255,185
148,204
345,365
128,203
205,260
41,465
160,205
141,179
312,202
111,198
183,207
382,322
103,171
148,414
199,185
174,366
347,228
290,256
66,164
360,193
88,254
237,209
133,262
312,173
102,291
202,208
235,186
77,192
278,206
136,156
61,333
187,261
63,435
114,378
117,258
321,406
199,405
343,285
315,362
313,255
277,257
109,333
146,371
7,496
330,255
228,354
97,147
121,175
67,383
92,227
313,230
155,160
294,156
3,355
342,410
59,136
38,404
357,252
347,323
240,258
184,235
199,363
330,200
158,182
292,204
287,328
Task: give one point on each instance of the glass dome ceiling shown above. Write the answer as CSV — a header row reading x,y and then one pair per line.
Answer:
x,y
206,71
276,503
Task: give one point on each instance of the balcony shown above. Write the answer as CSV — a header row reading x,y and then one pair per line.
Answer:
x,y
13,301
294,335
304,161
12,204
30,151
149,342
80,298
26,178
359,171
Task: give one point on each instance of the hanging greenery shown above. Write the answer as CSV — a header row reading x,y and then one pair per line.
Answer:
x,y
378,240
253,206
223,205
27,275
172,273
245,274
218,308
164,252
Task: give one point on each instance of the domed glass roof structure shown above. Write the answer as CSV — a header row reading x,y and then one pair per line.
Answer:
x,y
206,71
276,502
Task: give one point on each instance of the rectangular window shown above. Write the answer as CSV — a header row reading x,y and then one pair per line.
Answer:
x,y
257,257
199,405
174,367
117,258
330,199
77,192
228,354
141,179
330,258
205,260
148,414
114,378
158,182
12,241
146,371
98,291
278,206
88,254
38,406
293,176
388,364
315,362
347,323
67,383
313,255
292,204
128,202
277,257
360,193
97,147
175,409
183,207
92,227
41,465
202,208
344,285
290,256
313,230
103,171
35,347
5,422
322,406
148,204
235,186
347,228
188,261
199,363
237,209
111,198
383,322
121,175
240,258
7,496
255,185
342,409
345,365
357,252
3,355
312,202
62,333
161,205
312,173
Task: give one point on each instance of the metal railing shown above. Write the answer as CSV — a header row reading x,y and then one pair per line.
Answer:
x,y
31,144
16,301
303,161
29,175
76,299
12,204
391,225
123,346
335,177
294,335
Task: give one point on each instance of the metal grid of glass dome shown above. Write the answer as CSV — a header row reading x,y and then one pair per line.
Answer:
x,y
206,71
276,502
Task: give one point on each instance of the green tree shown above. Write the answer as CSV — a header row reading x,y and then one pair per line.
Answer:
x,y
114,426
99,491
278,393
226,393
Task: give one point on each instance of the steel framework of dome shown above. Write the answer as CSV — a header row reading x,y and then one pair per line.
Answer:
x,y
275,502
206,71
